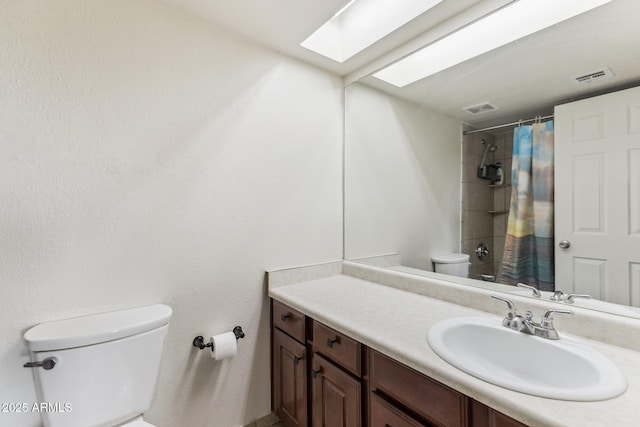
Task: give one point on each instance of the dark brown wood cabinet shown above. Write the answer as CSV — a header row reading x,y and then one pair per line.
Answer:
x,y
323,378
337,347
385,414
289,321
436,403
483,416
289,368
336,396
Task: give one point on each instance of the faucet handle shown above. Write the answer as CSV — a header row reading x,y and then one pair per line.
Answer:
x,y
547,317
536,292
557,296
510,306
511,310
570,299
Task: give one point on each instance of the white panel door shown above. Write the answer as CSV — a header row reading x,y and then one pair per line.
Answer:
x,y
597,196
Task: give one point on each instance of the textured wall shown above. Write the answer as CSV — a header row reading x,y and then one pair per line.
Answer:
x,y
402,179
148,157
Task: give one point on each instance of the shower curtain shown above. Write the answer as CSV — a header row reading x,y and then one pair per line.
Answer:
x,y
528,253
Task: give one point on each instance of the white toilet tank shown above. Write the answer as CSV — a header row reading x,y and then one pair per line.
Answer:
x,y
106,365
454,264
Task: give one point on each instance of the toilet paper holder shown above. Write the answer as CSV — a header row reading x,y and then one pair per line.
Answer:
x,y
199,340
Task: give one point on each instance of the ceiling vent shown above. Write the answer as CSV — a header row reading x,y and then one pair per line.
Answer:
x,y
602,74
485,107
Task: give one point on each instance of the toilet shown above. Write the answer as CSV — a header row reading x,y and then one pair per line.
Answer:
x,y
454,264
98,370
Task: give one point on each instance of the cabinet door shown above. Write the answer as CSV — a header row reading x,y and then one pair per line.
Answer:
x,y
336,396
289,380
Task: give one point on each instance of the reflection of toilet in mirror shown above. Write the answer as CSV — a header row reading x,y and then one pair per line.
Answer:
x,y
454,264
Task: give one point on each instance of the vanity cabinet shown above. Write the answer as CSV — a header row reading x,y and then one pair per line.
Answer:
x,y
323,378
289,366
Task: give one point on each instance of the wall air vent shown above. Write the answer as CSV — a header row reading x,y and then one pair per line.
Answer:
x,y
485,107
591,77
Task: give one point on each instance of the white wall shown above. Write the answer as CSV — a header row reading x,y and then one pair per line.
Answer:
x,y
147,157
402,178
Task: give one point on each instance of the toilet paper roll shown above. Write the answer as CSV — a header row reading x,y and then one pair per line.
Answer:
x,y
224,346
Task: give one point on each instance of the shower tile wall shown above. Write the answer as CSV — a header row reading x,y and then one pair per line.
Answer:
x,y
478,224
502,196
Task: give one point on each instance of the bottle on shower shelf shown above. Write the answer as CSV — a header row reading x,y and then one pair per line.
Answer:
x,y
499,175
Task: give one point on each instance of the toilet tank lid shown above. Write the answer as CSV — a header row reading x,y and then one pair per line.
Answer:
x,y
96,328
450,258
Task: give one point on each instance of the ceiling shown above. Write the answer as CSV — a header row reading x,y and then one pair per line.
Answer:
x,y
522,79
528,77
282,25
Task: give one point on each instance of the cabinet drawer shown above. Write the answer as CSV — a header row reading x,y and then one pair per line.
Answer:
x,y
433,401
483,416
338,348
384,414
289,320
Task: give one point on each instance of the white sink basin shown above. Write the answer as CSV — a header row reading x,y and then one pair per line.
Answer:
x,y
558,369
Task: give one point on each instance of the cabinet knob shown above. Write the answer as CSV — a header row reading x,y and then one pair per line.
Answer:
x,y
316,372
331,342
284,317
297,359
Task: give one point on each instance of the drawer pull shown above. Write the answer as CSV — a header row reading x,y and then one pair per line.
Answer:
x,y
331,342
284,317
315,372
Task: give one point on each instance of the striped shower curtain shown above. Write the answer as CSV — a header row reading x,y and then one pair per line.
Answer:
x,y
528,253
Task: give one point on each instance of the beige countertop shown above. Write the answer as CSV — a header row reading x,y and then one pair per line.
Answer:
x,y
395,322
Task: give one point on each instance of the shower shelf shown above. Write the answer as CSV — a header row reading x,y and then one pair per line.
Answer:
x,y
498,212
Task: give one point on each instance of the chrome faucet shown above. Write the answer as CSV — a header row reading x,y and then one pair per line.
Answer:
x,y
526,325
559,296
569,299
536,292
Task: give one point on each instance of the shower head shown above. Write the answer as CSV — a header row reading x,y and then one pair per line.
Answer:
x,y
490,146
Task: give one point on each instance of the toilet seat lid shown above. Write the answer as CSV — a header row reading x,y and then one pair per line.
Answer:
x,y
96,328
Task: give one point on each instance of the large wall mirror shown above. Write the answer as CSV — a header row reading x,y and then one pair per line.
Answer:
x,y
412,153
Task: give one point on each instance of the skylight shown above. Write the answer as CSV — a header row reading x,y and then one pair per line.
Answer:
x,y
510,23
360,24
